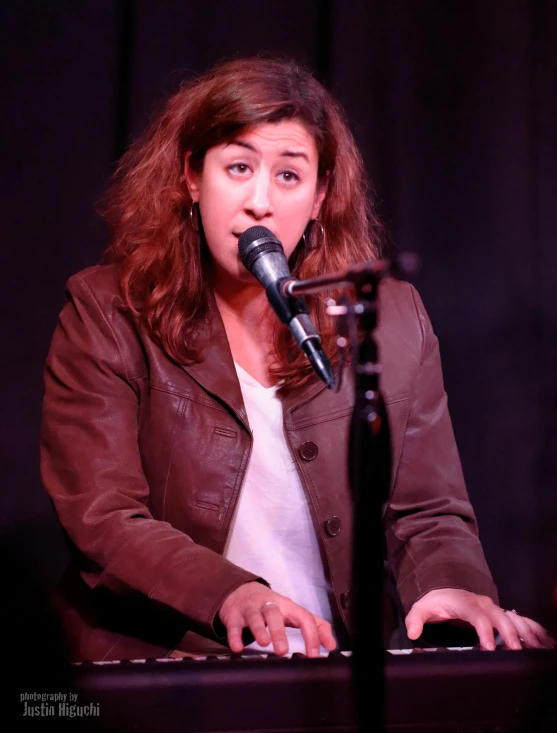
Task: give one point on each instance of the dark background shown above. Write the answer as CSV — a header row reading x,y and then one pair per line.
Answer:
x,y
454,105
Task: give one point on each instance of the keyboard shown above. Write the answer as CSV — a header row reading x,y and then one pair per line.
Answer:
x,y
458,690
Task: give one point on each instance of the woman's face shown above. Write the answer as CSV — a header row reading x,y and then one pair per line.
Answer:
x,y
266,177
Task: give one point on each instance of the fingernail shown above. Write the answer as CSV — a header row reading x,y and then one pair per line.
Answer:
x,y
490,646
516,645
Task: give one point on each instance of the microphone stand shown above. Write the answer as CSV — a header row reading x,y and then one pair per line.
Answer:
x,y
369,463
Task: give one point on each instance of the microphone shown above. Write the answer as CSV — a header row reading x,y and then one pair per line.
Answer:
x,y
263,255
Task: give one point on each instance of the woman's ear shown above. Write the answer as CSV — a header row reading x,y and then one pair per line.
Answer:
x,y
191,178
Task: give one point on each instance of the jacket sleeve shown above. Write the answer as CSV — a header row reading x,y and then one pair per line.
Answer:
x,y
91,469
431,529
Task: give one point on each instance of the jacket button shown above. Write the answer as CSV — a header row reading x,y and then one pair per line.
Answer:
x,y
345,599
333,526
308,451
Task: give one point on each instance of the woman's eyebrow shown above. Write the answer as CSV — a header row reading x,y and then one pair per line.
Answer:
x,y
294,154
282,154
243,144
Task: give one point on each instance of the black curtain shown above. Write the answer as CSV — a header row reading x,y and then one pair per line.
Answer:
x,y
454,106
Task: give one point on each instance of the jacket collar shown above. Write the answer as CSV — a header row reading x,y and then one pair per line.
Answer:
x,y
215,372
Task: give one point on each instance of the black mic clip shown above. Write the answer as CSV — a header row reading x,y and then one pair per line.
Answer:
x,y
286,306
293,310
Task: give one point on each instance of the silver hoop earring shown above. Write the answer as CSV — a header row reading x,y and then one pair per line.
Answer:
x,y
195,220
308,236
322,232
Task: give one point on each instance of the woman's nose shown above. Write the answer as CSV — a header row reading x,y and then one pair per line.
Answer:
x,y
259,199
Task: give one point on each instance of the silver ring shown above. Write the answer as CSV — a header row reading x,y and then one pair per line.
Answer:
x,y
511,610
268,603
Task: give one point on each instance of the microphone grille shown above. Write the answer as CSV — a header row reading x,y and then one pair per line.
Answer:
x,y
266,241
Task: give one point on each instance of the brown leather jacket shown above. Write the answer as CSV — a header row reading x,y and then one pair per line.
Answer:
x,y
144,459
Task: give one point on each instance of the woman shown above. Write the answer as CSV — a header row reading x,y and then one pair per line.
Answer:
x,y
195,462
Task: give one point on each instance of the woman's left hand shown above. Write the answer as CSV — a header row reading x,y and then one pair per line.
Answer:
x,y
453,604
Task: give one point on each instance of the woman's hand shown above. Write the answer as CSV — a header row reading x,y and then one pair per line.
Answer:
x,y
452,604
266,613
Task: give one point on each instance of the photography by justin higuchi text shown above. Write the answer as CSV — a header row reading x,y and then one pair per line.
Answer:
x,y
56,705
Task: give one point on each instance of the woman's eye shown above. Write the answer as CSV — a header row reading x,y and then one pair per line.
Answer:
x,y
289,176
240,168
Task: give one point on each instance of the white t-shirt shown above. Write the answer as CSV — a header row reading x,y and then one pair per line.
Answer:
x,y
272,533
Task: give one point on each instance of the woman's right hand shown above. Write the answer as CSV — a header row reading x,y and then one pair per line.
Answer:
x,y
266,614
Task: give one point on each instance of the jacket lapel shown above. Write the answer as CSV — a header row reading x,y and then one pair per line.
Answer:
x,y
215,372
301,395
